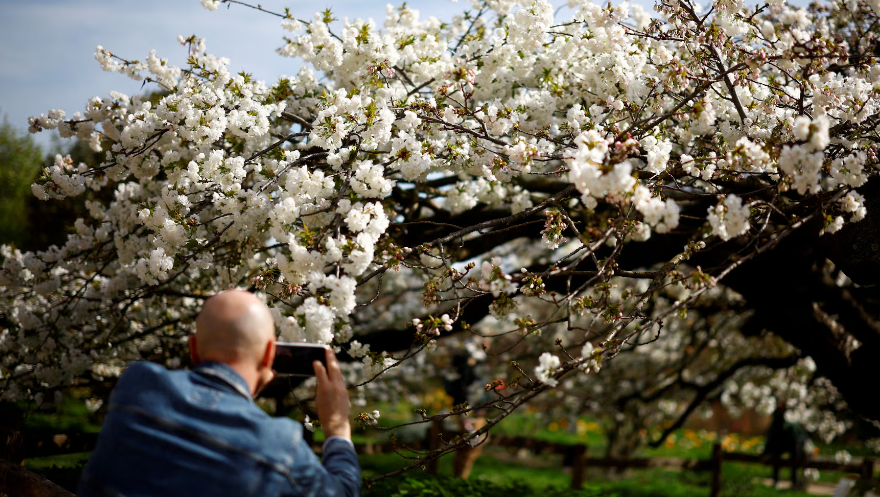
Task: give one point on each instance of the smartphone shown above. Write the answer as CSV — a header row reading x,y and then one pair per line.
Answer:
x,y
295,359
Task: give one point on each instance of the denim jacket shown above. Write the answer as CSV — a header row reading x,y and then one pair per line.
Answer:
x,y
198,432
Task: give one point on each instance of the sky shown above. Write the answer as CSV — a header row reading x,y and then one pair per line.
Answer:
x,y
47,46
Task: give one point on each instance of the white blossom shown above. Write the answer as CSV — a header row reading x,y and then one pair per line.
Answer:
x,y
307,424
730,218
548,364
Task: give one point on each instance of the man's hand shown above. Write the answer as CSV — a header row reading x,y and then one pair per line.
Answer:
x,y
334,409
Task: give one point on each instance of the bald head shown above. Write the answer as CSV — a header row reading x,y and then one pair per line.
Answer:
x,y
234,327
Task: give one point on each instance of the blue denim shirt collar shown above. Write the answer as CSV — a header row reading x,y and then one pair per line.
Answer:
x,y
223,372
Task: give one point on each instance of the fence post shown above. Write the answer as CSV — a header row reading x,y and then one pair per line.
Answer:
x,y
867,470
717,463
578,466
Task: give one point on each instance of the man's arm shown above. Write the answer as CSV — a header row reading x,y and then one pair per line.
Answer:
x,y
339,476
341,472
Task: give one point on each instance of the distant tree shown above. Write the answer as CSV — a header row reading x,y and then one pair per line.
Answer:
x,y
49,223
20,160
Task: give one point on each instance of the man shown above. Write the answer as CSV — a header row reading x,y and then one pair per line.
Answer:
x,y
198,432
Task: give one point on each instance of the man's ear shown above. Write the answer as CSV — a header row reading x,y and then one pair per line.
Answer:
x,y
193,351
269,355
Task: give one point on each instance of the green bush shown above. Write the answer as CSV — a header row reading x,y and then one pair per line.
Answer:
x,y
421,485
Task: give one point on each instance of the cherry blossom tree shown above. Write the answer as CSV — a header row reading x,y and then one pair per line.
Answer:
x,y
608,198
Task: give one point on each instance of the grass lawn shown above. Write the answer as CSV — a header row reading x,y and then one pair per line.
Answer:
x,y
544,475
499,472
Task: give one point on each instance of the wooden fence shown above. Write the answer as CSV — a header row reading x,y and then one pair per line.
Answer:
x,y
577,458
574,456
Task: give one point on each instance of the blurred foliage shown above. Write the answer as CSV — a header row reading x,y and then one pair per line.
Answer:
x,y
26,221
49,222
427,486
70,416
20,161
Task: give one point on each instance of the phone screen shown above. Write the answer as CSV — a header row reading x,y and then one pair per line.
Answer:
x,y
295,359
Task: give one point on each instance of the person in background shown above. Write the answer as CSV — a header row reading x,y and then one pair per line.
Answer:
x,y
462,383
784,437
198,432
